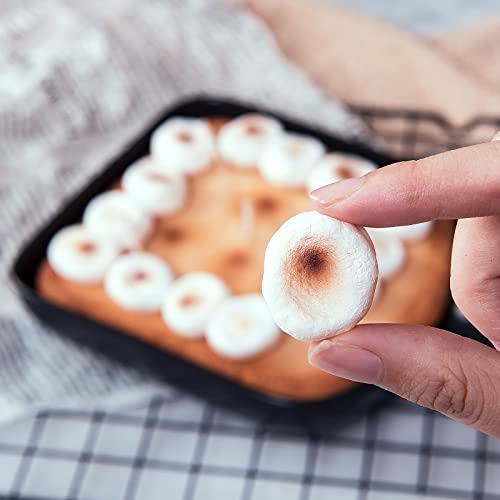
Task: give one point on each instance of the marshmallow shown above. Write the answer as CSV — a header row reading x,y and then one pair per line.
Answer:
x,y
115,215
411,233
335,167
155,190
138,281
241,327
242,140
78,255
288,161
184,145
319,276
191,300
390,252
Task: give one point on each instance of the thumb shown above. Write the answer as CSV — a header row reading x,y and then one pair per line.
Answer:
x,y
434,368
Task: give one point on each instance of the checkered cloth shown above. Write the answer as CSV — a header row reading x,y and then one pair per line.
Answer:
x,y
181,448
78,80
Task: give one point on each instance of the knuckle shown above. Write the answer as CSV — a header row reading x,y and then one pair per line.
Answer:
x,y
449,393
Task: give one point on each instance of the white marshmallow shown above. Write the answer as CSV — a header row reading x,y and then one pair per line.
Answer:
x,y
335,167
242,140
184,145
411,233
153,189
319,276
289,160
78,255
191,300
391,254
242,327
115,215
138,281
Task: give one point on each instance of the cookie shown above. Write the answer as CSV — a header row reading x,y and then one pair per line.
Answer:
x,y
208,235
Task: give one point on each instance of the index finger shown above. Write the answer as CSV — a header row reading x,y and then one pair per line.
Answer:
x,y
453,185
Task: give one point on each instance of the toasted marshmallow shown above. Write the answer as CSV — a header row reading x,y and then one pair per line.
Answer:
x,y
184,145
154,189
390,251
76,254
242,140
138,281
241,327
191,300
114,214
288,161
319,276
413,232
335,167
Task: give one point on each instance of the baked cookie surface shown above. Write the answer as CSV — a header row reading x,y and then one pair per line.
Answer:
x,y
208,235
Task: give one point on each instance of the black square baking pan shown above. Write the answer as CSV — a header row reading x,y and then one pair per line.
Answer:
x,y
139,354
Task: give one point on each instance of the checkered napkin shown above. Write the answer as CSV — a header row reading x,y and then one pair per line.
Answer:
x,y
77,80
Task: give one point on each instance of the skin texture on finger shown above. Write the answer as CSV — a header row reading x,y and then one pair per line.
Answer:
x,y
434,368
456,184
475,273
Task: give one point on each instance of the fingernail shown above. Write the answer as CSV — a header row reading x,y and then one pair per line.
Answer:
x,y
351,362
496,137
327,196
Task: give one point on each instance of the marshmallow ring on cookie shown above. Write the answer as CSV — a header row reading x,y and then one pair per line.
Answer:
x,y
114,214
191,300
183,145
138,281
288,161
334,167
154,189
242,140
76,254
242,327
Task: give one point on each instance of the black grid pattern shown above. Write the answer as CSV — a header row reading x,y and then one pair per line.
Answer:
x,y
193,451
415,134
178,447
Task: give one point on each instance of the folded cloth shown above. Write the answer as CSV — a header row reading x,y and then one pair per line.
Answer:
x,y
77,81
475,50
362,61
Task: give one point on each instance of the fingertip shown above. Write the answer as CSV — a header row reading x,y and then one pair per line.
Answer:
x,y
346,361
358,200
315,349
331,194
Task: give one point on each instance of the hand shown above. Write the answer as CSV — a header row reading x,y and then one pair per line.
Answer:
x,y
434,368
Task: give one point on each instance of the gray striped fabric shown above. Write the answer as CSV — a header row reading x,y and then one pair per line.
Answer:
x,y
77,80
